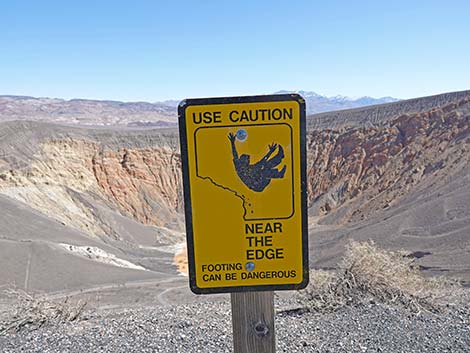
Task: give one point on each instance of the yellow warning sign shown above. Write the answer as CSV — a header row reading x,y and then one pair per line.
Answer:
x,y
245,198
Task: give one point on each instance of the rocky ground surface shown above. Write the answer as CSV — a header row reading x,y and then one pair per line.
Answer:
x,y
206,327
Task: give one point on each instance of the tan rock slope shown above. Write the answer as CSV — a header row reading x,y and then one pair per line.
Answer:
x,y
81,207
68,174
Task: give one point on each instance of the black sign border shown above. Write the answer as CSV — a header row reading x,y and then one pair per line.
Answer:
x,y
187,188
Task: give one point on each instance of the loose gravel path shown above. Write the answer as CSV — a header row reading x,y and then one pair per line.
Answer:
x,y
206,328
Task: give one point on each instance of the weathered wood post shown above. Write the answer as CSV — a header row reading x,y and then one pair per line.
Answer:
x,y
253,322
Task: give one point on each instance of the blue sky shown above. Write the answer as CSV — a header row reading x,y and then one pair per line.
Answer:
x,y
152,50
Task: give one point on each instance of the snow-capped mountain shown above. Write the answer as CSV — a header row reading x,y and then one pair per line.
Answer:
x,y
317,103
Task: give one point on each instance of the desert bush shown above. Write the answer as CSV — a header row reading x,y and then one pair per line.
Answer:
x,y
368,273
31,311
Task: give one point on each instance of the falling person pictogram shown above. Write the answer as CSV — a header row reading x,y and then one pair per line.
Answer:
x,y
257,176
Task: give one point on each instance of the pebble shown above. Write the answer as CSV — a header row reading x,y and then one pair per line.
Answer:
x,y
206,328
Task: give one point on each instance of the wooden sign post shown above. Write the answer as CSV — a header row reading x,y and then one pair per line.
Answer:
x,y
253,322
244,176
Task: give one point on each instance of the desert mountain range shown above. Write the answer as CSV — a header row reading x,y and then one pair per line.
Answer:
x,y
137,114
85,207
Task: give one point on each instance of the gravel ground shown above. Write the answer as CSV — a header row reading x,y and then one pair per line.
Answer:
x,y
206,327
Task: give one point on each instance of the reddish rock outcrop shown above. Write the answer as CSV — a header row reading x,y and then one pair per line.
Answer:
x,y
144,183
371,168
68,174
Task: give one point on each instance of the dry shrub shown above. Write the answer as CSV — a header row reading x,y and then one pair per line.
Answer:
x,y
32,312
368,273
